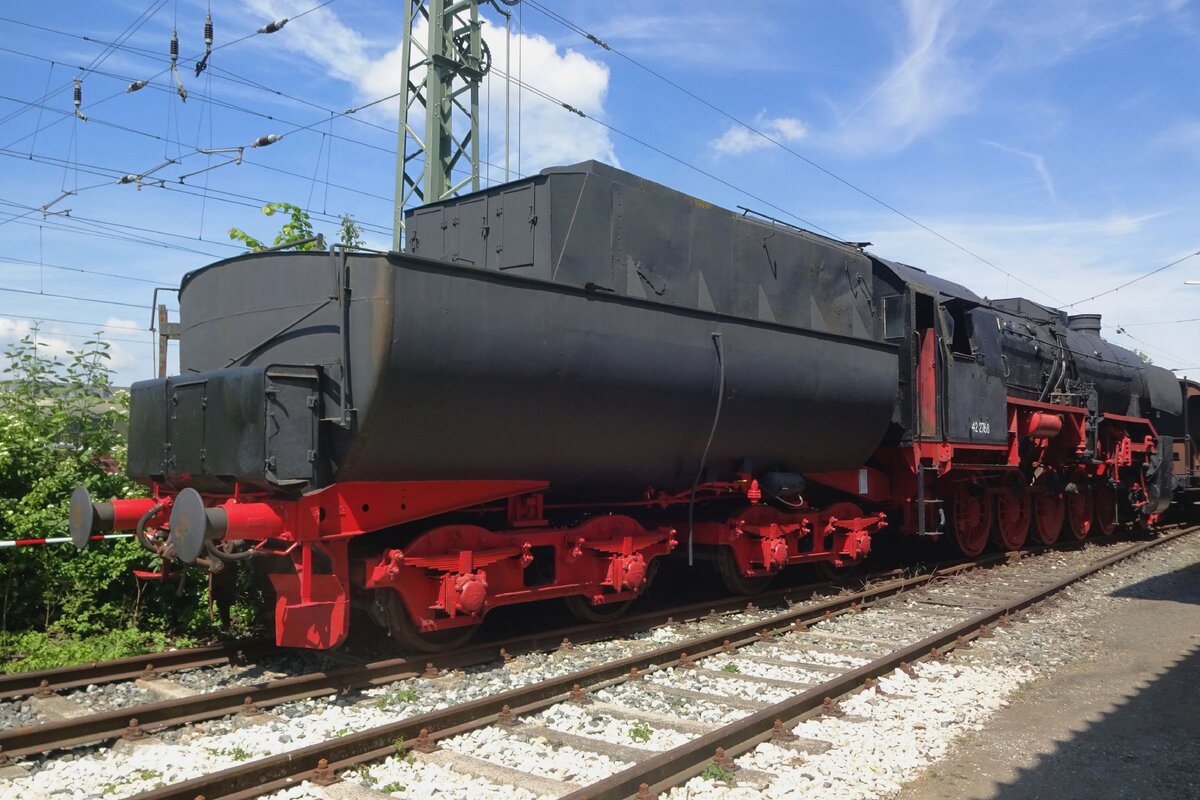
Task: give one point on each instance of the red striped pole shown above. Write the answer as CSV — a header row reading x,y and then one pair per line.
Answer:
x,y
60,539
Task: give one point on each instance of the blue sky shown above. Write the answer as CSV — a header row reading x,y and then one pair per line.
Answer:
x,y
1058,141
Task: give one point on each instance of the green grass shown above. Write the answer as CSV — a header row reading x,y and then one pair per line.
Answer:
x,y
236,753
406,695
717,774
730,667
35,650
640,732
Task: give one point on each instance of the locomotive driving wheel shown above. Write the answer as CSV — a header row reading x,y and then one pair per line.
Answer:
x,y
1013,512
1080,512
970,519
1104,506
1048,513
402,629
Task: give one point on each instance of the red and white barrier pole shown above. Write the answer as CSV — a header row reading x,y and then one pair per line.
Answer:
x,y
60,540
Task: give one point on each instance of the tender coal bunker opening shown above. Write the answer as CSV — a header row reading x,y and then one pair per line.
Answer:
x,y
541,570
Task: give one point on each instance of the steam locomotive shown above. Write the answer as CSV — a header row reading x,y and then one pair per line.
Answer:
x,y
568,378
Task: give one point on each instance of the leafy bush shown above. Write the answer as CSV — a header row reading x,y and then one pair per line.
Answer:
x,y
62,425
35,650
296,228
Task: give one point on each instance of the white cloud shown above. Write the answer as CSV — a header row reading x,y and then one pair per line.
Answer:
x,y
1036,161
924,87
549,134
949,51
57,341
738,139
1182,136
683,36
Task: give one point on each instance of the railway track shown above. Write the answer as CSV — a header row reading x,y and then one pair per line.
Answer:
x,y
182,707
20,684
774,722
798,681
179,706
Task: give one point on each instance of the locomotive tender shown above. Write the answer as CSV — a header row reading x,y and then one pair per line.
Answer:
x,y
568,377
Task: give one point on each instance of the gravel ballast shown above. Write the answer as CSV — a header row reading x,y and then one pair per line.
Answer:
x,y
890,735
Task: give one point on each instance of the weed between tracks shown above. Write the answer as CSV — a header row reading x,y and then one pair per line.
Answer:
x,y
406,695
236,753
640,732
717,774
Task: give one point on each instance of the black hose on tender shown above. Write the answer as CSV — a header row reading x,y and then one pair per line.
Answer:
x,y
716,337
216,552
139,532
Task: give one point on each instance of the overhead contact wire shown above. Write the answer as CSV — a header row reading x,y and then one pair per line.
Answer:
x,y
764,135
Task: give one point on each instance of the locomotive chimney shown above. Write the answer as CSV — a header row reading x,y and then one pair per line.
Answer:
x,y
1084,323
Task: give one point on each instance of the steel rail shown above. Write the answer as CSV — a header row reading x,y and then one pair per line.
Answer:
x,y
33,739
282,770
674,767
18,684
40,738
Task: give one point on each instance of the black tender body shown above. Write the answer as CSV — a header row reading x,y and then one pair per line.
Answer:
x,y
575,327
587,353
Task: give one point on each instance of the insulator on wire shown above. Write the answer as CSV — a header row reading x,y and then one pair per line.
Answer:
x,y
79,99
175,66
136,86
202,64
272,27
263,141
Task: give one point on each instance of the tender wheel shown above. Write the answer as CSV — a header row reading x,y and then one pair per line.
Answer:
x,y
826,569
1080,513
1013,513
405,633
584,611
1048,513
1104,509
970,519
834,574
734,580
